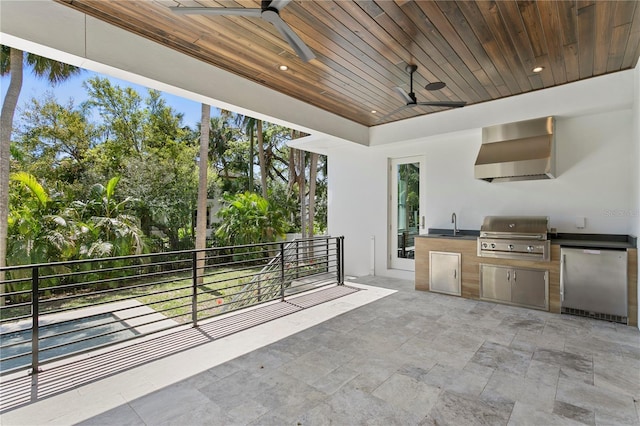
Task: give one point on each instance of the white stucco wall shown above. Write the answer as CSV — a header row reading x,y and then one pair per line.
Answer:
x,y
593,167
635,217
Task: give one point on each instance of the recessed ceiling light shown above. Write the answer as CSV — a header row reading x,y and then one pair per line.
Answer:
x,y
373,111
537,69
283,68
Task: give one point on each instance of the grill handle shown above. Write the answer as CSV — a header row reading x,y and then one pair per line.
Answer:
x,y
509,236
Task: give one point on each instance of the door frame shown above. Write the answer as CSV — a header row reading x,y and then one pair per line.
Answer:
x,y
393,261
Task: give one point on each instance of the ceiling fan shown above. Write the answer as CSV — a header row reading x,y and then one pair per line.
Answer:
x,y
269,11
411,100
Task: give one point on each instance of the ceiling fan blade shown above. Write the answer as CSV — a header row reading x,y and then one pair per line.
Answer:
x,y
449,104
404,95
288,34
279,4
234,11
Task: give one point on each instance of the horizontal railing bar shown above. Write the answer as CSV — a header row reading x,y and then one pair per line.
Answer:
x,y
93,271
128,277
18,280
13,319
110,290
10,345
119,300
12,357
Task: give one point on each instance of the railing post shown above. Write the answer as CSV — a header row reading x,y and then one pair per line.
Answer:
x,y
297,259
338,260
326,255
194,292
282,272
35,319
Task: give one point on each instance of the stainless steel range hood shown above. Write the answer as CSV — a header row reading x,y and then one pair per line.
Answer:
x,y
524,150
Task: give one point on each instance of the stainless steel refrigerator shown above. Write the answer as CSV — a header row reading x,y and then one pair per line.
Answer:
x,y
593,282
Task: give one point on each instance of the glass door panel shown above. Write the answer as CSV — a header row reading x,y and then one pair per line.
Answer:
x,y
406,201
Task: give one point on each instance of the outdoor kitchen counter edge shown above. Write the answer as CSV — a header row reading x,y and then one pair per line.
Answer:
x,y
603,241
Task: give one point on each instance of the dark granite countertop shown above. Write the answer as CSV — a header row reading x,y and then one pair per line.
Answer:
x,y
603,241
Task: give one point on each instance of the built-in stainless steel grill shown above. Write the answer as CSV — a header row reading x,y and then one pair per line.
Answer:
x,y
514,237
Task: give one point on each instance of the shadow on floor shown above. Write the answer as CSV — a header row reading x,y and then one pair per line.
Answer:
x,y
23,390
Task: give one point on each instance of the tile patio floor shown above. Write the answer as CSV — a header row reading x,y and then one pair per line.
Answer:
x,y
377,357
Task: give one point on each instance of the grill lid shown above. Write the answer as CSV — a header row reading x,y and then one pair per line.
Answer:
x,y
515,227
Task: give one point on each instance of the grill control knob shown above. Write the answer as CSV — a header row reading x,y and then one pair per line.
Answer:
x,y
510,246
485,245
530,248
493,245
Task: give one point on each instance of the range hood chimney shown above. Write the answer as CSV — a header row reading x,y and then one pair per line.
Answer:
x,y
524,150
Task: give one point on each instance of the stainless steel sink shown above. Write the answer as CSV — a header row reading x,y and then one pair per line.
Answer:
x,y
451,235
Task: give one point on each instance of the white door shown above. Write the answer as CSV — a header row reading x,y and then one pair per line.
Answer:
x,y
406,209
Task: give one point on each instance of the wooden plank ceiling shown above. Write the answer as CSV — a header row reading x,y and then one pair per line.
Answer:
x,y
482,50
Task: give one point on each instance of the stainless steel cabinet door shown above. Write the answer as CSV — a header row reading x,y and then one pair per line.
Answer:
x,y
444,272
495,283
529,288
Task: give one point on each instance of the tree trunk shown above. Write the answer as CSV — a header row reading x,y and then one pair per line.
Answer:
x,y
6,128
313,173
201,218
251,155
301,193
261,156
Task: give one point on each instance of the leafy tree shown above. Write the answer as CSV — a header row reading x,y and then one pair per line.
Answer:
x,y
54,140
38,231
248,218
145,142
11,62
109,228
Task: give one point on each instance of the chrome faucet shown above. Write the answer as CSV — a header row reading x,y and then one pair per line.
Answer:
x,y
454,220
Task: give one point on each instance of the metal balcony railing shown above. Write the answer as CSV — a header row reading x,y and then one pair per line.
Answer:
x,y
53,311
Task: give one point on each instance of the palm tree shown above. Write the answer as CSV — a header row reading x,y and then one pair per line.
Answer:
x,y
11,62
109,228
201,215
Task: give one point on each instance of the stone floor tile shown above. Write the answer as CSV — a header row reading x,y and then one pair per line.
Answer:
x,y
242,385
335,379
566,360
523,322
353,407
618,373
169,404
603,401
462,382
502,358
519,388
452,409
526,415
408,394
542,372
579,414
245,412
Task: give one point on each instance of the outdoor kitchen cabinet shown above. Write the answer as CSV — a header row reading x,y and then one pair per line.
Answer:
x,y
516,286
444,272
